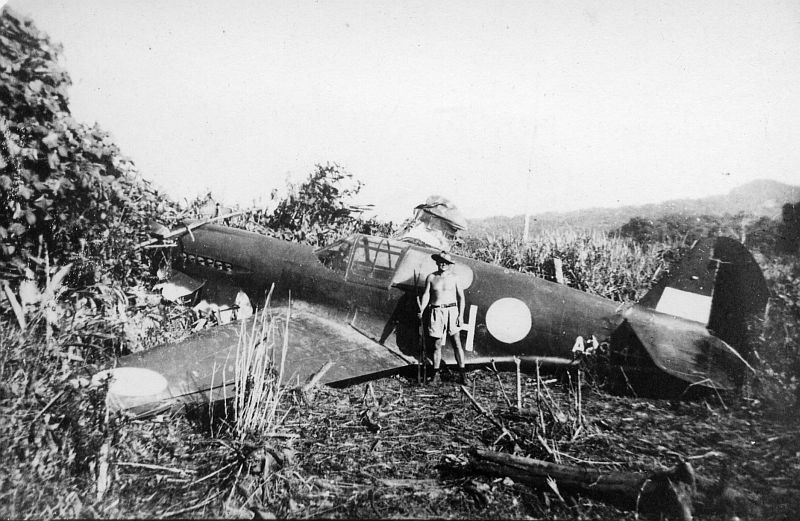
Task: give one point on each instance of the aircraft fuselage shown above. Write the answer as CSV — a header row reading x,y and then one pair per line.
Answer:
x,y
373,284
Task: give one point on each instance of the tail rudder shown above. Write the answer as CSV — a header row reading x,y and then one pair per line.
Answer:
x,y
740,295
718,284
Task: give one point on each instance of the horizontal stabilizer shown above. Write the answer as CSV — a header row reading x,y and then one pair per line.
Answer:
x,y
685,349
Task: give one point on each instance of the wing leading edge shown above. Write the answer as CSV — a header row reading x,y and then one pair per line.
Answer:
x,y
202,367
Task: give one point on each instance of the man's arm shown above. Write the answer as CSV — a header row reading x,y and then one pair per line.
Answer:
x,y
426,297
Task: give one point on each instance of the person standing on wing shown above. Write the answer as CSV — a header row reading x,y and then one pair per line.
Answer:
x,y
442,305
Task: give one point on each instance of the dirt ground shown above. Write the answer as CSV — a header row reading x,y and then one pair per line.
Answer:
x,y
393,448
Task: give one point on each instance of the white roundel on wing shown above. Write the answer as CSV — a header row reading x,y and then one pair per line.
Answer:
x,y
132,381
508,320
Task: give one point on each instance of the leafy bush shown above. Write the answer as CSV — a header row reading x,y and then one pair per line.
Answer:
x,y
320,210
71,207
66,191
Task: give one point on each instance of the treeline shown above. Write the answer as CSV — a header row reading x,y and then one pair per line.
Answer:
x,y
766,235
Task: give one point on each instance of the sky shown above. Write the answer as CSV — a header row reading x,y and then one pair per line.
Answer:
x,y
503,107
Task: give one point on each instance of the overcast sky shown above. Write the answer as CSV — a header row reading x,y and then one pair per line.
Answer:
x,y
504,107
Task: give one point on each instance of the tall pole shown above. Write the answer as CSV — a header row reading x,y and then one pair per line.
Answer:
x,y
526,230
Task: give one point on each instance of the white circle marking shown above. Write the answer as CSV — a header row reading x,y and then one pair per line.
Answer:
x,y
508,320
132,381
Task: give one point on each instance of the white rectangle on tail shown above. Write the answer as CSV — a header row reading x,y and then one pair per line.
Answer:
x,y
684,304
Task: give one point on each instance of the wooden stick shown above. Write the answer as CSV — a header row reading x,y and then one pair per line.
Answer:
x,y
51,402
15,305
207,476
539,398
317,377
372,394
487,414
422,367
153,467
500,382
192,507
667,491
519,385
580,402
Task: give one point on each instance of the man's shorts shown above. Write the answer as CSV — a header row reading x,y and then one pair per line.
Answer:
x,y
443,321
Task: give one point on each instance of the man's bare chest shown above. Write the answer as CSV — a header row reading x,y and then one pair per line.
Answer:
x,y
443,283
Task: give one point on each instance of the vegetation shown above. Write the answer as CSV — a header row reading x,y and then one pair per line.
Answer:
x,y
66,191
760,233
789,230
74,288
318,211
75,294
257,384
610,266
754,200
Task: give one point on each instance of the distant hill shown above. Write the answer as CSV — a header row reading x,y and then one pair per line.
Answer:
x,y
761,198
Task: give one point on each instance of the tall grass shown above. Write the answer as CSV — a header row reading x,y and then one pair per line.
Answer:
x,y
53,426
610,266
260,360
779,342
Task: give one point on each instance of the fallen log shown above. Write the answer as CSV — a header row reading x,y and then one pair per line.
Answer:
x,y
667,492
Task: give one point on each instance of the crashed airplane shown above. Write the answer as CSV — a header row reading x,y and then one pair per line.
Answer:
x,y
353,308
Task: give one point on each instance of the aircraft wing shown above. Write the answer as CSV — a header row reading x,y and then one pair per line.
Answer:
x,y
202,367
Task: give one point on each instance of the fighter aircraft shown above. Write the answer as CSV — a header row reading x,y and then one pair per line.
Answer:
x,y
353,306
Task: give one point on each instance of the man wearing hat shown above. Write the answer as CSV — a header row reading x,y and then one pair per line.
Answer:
x,y
442,305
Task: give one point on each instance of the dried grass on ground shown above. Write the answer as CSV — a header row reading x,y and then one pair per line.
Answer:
x,y
392,448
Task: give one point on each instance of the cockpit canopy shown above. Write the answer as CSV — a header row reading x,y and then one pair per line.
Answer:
x,y
364,258
382,262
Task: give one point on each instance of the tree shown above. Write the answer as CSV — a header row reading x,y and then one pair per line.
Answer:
x,y
320,210
66,191
789,230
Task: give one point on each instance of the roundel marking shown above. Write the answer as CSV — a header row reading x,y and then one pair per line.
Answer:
x,y
508,320
464,274
132,381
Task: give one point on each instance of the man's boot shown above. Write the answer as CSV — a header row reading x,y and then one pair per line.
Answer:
x,y
436,379
462,377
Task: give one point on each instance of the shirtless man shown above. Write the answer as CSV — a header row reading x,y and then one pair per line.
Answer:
x,y
443,301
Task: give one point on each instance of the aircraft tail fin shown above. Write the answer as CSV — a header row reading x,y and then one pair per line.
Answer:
x,y
718,284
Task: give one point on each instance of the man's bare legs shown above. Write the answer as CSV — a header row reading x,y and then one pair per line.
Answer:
x,y
437,356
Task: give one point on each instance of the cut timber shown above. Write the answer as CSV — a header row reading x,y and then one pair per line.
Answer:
x,y
668,492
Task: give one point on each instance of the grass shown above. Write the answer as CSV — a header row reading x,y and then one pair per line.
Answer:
x,y
259,374
66,458
52,429
610,266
